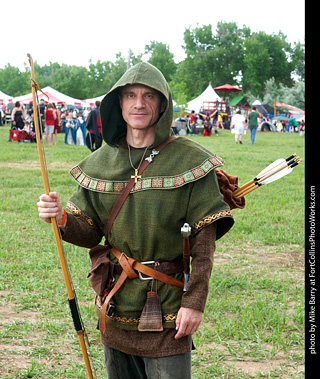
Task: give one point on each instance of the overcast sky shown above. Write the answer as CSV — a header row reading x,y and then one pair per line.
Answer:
x,y
73,32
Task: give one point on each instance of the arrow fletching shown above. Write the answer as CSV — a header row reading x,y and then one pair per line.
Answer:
x,y
285,171
271,168
275,164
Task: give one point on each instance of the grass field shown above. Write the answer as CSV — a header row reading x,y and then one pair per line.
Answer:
x,y
254,319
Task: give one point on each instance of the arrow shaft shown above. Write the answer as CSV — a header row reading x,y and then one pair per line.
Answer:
x,y
269,168
277,174
258,183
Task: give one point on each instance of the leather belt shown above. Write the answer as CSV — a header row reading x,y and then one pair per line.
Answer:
x,y
166,267
130,267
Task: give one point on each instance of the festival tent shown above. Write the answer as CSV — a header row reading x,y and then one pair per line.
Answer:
x,y
94,99
278,104
5,98
54,96
208,94
265,109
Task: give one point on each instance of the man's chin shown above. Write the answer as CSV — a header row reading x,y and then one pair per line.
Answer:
x,y
138,126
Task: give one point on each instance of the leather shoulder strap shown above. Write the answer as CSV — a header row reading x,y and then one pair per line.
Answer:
x,y
124,194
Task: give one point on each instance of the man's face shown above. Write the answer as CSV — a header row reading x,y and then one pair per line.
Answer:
x,y
141,106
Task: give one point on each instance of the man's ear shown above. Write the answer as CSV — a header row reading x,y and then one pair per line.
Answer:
x,y
163,105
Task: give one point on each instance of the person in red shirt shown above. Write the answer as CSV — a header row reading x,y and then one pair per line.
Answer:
x,y
193,122
50,117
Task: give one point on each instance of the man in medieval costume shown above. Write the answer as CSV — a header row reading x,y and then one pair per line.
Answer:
x,y
93,125
179,186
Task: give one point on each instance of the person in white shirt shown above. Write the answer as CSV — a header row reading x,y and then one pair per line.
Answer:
x,y
238,126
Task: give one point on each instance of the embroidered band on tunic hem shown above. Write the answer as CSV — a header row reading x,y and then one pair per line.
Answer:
x,y
134,321
159,182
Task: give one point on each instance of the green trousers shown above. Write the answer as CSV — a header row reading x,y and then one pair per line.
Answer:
x,y
124,366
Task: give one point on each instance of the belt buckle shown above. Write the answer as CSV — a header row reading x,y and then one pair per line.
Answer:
x,y
148,277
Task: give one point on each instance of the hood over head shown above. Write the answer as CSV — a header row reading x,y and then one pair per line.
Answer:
x,y
113,124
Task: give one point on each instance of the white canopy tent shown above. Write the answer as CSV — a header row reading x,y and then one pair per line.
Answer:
x,y
209,94
54,96
4,98
94,99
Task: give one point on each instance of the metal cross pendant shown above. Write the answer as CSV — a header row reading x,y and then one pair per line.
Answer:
x,y
135,176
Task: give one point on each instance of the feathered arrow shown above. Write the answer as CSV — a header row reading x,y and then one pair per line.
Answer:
x,y
271,173
71,294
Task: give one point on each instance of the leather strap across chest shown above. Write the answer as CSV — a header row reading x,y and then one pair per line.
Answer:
x,y
124,194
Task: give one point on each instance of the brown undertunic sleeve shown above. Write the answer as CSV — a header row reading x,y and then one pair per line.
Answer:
x,y
79,232
161,344
202,247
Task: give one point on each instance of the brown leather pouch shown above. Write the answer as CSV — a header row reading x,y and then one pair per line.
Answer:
x,y
151,316
102,269
228,184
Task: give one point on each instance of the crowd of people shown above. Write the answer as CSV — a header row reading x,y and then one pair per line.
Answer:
x,y
209,122
81,127
84,127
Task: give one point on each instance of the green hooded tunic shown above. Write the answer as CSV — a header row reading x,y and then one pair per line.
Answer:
x,y
179,186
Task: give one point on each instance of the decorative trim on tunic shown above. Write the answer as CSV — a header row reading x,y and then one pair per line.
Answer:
x,y
210,219
158,182
134,321
78,212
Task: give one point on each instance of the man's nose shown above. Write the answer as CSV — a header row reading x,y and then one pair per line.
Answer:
x,y
139,103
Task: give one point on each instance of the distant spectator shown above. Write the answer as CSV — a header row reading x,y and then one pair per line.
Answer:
x,y
279,126
220,122
80,130
254,122
238,126
50,117
70,130
57,127
93,125
17,116
42,111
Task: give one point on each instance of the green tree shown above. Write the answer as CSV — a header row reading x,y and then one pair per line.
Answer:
x,y
196,71
298,60
272,92
13,82
229,55
215,58
265,56
228,52
294,95
162,58
179,91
